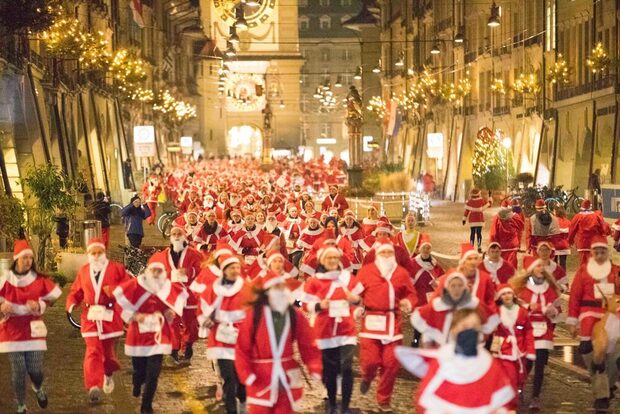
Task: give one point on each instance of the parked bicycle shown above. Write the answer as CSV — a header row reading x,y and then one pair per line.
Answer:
x,y
569,200
165,222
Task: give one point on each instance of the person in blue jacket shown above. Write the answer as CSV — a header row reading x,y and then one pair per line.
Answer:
x,y
134,215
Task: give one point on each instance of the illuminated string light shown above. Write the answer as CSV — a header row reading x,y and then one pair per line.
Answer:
x,y
599,61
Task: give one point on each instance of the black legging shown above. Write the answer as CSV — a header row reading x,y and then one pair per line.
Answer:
x,y
232,388
338,361
542,356
561,260
475,232
146,371
135,240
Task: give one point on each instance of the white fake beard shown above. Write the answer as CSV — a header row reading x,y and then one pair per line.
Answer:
x,y
152,284
97,263
270,227
279,299
177,245
208,204
385,264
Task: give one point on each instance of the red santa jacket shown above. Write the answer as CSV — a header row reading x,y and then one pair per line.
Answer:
x,y
499,271
424,276
260,266
308,237
338,202
369,225
153,336
381,295
211,239
249,242
481,286
333,327
265,364
584,226
24,330
311,262
453,384
87,292
558,274
205,279
560,240
585,291
434,319
190,261
225,304
507,231
514,334
292,230
547,303
474,211
151,189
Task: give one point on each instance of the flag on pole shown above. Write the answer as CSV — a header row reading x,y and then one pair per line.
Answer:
x,y
136,10
394,119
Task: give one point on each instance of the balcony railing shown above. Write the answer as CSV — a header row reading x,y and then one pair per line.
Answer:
x,y
501,110
598,84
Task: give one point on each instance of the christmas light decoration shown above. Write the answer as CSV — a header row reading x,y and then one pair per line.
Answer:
x,y
558,72
498,86
599,61
142,95
527,83
173,110
127,71
489,159
66,39
377,106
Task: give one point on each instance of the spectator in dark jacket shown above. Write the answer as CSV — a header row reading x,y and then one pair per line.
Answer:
x,y
62,229
135,213
101,211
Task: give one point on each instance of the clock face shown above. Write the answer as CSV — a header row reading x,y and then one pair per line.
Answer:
x,y
254,15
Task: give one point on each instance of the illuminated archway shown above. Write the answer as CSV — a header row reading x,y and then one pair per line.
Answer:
x,y
244,140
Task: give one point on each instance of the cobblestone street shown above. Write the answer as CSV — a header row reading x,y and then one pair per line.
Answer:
x,y
192,389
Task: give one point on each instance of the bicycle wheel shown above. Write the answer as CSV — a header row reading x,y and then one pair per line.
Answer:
x,y
167,226
115,213
575,204
551,203
160,221
73,321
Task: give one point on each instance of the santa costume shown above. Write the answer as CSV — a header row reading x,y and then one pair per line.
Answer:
x,y
586,225
425,273
369,224
101,321
506,229
384,286
474,215
150,194
453,383
409,240
335,200
513,341
500,270
264,352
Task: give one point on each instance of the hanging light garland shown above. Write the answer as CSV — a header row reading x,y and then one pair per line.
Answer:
x,y
599,61
558,73
377,106
142,95
173,110
527,83
127,71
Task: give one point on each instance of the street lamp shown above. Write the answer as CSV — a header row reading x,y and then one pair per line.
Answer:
x,y
435,50
377,69
495,14
338,83
401,60
281,104
358,73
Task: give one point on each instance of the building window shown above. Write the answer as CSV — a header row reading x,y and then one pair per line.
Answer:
x,y
325,22
326,130
346,54
346,79
324,3
325,55
304,23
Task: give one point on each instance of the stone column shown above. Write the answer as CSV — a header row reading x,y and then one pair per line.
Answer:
x,y
354,126
267,131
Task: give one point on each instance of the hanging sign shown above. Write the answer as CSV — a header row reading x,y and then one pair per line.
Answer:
x,y
434,145
144,141
187,145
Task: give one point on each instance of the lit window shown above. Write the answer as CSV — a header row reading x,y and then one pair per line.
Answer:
x,y
325,22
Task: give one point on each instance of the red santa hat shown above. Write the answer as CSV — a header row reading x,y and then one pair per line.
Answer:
x,y
503,288
271,255
530,262
545,243
493,243
384,244
95,242
475,192
191,213
506,205
540,205
373,206
467,250
221,248
328,246
157,261
177,227
21,248
349,212
425,239
586,205
270,279
228,259
598,241
383,225
456,275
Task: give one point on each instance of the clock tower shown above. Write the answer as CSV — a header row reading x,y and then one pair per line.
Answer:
x,y
261,78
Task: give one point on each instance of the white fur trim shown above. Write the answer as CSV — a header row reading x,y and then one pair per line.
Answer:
x,y
220,352
148,350
96,244
23,253
335,342
23,346
597,271
250,379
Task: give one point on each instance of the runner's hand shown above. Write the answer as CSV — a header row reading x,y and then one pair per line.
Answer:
x,y
139,317
325,304
6,308
405,306
209,323
34,306
573,330
169,315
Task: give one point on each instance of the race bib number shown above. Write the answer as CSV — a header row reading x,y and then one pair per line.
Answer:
x,y
376,322
151,323
38,329
601,289
100,313
295,378
339,309
496,344
539,328
290,244
226,333
178,276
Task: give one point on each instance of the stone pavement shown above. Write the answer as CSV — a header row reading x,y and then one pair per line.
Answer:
x,y
192,389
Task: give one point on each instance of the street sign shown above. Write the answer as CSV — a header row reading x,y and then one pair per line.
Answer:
x,y
434,147
144,141
187,145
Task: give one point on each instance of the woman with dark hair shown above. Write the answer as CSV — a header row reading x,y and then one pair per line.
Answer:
x,y
264,351
25,294
134,214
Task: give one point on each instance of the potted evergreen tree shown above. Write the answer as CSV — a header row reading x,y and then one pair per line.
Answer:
x,y
489,165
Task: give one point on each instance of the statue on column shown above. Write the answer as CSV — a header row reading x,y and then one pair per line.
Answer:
x,y
354,107
267,115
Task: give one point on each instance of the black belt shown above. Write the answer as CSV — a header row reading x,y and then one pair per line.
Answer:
x,y
592,303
